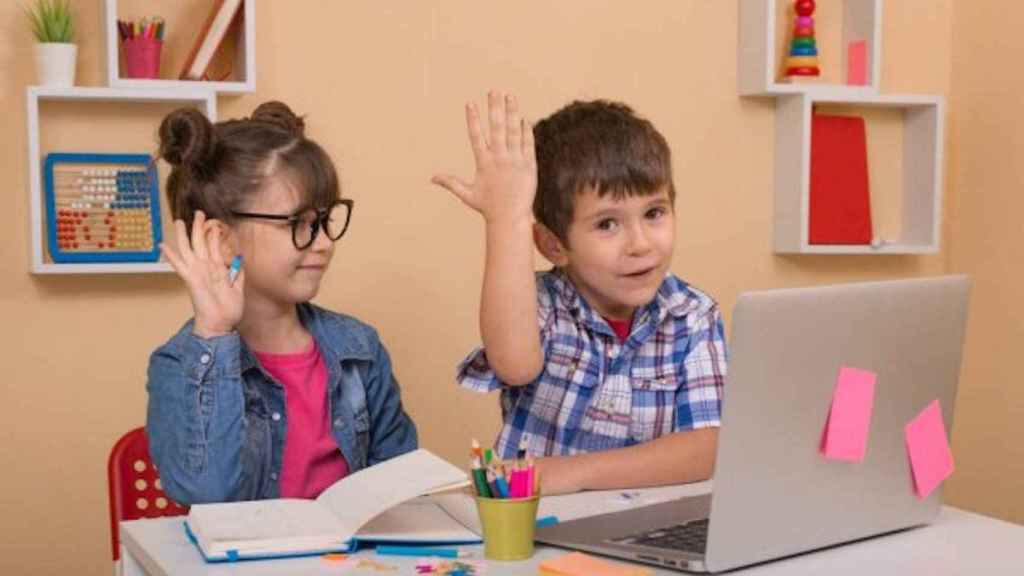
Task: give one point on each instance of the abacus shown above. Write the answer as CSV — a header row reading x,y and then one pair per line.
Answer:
x,y
102,207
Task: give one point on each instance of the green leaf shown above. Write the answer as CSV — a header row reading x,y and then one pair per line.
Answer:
x,y
51,20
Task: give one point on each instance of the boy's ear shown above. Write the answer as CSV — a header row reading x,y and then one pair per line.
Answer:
x,y
549,245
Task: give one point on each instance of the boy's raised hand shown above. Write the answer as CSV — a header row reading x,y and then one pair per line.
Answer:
x,y
217,302
506,166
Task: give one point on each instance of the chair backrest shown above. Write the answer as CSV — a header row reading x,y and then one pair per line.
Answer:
x,y
134,484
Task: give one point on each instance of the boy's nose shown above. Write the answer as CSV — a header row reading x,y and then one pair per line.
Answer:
x,y
639,243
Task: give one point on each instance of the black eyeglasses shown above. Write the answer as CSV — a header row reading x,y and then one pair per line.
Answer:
x,y
307,223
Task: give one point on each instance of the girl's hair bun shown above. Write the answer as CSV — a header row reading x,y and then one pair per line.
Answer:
x,y
280,115
187,139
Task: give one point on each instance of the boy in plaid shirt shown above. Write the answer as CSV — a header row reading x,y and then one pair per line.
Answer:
x,y
621,385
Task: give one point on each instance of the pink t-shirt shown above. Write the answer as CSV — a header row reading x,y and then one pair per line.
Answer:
x,y
312,460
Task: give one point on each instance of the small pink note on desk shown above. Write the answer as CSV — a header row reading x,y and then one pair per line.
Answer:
x,y
849,419
931,460
580,564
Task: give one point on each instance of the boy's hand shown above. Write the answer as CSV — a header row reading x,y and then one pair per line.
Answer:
x,y
217,302
506,166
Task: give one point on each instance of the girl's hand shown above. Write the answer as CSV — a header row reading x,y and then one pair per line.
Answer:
x,y
506,165
217,302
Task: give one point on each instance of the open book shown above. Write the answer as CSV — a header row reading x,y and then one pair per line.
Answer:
x,y
339,517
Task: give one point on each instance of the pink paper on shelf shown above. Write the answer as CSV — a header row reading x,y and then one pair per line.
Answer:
x,y
846,429
931,460
857,63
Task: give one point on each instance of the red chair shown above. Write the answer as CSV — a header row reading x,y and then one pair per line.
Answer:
x,y
134,484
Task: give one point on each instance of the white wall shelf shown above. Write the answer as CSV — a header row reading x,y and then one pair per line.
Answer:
x,y
204,100
759,63
921,187
244,70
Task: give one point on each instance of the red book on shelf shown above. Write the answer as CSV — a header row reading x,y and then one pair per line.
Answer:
x,y
219,20
840,203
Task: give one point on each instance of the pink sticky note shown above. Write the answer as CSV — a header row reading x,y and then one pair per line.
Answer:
x,y
931,460
846,429
857,63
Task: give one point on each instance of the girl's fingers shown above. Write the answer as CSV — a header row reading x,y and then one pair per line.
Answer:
x,y
172,259
214,231
181,239
199,236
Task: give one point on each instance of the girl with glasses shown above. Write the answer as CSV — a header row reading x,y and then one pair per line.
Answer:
x,y
262,394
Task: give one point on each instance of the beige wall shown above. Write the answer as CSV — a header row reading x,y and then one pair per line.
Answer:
x,y
987,134
383,88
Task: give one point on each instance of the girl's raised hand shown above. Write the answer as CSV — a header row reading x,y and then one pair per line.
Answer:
x,y
506,165
217,301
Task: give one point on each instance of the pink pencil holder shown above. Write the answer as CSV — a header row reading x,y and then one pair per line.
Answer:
x,y
142,57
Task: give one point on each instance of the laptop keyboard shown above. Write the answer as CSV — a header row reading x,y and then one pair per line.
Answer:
x,y
689,537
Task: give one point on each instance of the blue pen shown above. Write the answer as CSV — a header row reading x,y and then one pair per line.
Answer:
x,y
236,266
421,551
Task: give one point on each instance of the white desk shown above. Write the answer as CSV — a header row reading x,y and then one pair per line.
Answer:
x,y
958,543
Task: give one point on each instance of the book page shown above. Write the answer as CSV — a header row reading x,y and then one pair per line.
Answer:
x,y
418,520
462,506
242,525
356,499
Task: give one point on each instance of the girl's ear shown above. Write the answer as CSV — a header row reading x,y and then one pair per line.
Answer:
x,y
549,245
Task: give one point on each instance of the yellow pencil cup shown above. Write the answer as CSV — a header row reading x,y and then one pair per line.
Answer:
x,y
508,525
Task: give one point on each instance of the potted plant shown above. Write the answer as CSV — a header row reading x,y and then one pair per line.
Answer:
x,y
54,29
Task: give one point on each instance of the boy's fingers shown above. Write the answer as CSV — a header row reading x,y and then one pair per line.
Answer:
x,y
512,121
496,110
456,186
529,152
476,137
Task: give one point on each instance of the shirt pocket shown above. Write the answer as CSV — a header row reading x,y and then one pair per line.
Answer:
x,y
655,389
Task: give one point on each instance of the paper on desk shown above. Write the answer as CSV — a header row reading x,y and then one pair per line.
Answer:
x,y
580,564
931,460
849,419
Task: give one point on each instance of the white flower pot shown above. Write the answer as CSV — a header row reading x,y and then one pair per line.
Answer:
x,y
55,63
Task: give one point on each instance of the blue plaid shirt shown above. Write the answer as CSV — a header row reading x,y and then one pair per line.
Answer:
x,y
597,393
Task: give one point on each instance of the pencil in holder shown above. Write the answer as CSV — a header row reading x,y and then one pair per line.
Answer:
x,y
508,526
142,56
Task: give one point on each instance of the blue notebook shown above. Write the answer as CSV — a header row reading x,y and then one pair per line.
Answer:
x,y
376,504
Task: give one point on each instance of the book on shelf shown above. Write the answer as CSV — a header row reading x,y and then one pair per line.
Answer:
x,y
222,15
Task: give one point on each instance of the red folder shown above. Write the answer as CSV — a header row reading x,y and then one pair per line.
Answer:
x,y
840,202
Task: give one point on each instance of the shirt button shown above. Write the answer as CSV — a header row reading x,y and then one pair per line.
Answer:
x,y
273,475
204,359
275,416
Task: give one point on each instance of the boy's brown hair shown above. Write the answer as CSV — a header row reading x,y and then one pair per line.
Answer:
x,y
598,144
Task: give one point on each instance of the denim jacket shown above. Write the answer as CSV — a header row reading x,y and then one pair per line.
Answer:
x,y
216,419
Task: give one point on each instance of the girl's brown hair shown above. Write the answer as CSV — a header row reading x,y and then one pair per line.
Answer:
x,y
217,168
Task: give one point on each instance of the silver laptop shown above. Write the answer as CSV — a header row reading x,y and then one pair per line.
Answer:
x,y
774,495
